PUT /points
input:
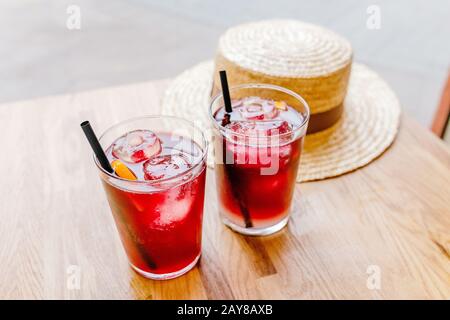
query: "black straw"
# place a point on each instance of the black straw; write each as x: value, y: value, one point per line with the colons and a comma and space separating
x: 101, y: 156
x: 96, y: 147
x: 232, y: 177
x: 225, y: 91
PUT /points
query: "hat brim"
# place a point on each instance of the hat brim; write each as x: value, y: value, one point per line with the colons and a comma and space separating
x: 366, y: 129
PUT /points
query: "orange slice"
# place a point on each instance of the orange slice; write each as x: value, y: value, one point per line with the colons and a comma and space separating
x: 122, y: 170
x: 281, y: 105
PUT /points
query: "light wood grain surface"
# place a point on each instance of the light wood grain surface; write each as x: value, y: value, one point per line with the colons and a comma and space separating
x: 392, y: 216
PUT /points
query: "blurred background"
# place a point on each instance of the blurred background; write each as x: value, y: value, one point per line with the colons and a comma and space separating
x: 125, y: 41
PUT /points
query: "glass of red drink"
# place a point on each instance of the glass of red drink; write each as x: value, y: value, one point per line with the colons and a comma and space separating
x: 257, y: 153
x: 159, y: 212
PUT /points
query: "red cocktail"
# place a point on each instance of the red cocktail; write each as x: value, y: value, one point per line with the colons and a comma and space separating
x: 158, y: 213
x: 257, y: 155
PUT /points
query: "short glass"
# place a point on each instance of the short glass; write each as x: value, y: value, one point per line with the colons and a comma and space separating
x: 256, y: 174
x: 159, y: 222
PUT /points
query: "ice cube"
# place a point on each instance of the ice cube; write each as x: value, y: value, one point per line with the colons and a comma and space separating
x: 174, y: 208
x: 166, y: 166
x: 252, y: 111
x: 254, y: 108
x: 270, y: 111
x: 241, y: 127
x: 283, y: 127
x: 137, y: 146
x: 176, y: 204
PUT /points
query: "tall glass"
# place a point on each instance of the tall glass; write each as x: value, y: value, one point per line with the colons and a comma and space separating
x: 256, y: 170
x: 159, y: 221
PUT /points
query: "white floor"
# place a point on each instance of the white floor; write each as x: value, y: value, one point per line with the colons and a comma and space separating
x: 124, y: 41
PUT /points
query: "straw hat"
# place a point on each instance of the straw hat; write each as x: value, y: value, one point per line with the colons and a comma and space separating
x: 367, y: 127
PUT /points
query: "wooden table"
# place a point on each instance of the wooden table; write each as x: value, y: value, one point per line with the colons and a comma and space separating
x: 379, y: 232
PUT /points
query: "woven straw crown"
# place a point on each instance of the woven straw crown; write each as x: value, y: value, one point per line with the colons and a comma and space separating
x: 286, y: 48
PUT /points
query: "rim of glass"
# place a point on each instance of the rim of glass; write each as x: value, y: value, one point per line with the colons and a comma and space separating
x: 262, y: 86
x: 146, y: 182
